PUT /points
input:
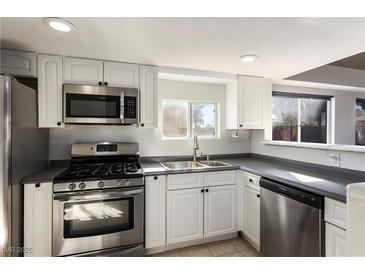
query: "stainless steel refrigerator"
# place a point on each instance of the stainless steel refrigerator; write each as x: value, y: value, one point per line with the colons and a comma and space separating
x: 23, y: 151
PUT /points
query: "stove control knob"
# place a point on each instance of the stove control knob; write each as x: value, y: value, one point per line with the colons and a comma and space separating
x: 119, y: 183
x: 82, y: 186
x: 71, y: 186
x: 101, y: 184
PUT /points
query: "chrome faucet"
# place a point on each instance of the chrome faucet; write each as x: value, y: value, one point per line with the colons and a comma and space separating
x: 196, y: 147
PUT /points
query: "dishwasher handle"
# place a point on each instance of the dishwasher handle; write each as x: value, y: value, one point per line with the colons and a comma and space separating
x: 293, y: 193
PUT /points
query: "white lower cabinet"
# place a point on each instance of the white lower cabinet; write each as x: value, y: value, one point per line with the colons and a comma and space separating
x: 155, y: 220
x: 240, y: 200
x: 219, y: 210
x: 200, y: 210
x: 38, y: 219
x: 252, y: 214
x: 335, y: 241
x: 184, y: 215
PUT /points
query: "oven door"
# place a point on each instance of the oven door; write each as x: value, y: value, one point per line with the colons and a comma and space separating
x: 91, y: 221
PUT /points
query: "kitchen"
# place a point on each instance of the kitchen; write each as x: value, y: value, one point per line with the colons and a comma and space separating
x: 108, y: 154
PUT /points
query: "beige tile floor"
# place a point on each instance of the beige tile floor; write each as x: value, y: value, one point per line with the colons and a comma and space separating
x: 237, y: 247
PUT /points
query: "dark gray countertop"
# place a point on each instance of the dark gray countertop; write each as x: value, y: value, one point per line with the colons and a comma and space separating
x: 43, y: 176
x: 322, y: 180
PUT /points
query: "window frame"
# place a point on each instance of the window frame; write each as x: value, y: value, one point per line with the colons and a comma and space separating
x: 357, y: 99
x: 190, y: 119
x: 300, y: 96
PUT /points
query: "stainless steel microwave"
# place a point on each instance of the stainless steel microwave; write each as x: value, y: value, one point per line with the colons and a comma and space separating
x: 100, y: 105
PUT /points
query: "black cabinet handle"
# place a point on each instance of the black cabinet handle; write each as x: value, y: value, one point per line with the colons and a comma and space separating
x: 106, y: 83
x: 241, y: 125
x: 250, y: 180
x: 206, y: 190
x: 58, y: 123
x: 155, y: 178
x: 142, y: 125
x: 100, y: 83
x: 202, y: 190
x: 258, y: 195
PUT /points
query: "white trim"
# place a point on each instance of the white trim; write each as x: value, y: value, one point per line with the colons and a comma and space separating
x: 316, y: 85
x: 350, y: 148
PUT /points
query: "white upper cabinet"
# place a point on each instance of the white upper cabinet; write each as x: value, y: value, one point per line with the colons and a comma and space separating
x: 83, y: 71
x: 49, y: 91
x: 22, y: 63
x: 220, y: 210
x: 118, y: 74
x: 155, y: 221
x: 148, y: 95
x: 248, y: 102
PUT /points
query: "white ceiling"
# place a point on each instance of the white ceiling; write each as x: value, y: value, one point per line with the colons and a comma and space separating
x: 286, y: 46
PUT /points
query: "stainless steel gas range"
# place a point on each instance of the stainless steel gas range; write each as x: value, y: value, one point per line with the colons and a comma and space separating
x: 98, y: 203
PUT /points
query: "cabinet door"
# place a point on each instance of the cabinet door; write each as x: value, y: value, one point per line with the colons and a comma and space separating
x: 240, y: 198
x: 184, y: 215
x: 118, y: 74
x: 83, y: 71
x: 155, y: 211
x: 252, y: 215
x: 148, y: 98
x: 335, y: 241
x: 219, y: 210
x: 251, y: 94
x: 38, y: 219
x: 49, y: 91
x: 22, y: 63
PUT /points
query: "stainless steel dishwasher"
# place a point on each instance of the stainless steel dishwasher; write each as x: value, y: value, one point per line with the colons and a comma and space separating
x: 291, y: 221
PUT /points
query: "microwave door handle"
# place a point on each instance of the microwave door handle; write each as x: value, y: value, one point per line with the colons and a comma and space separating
x: 121, y: 106
x: 76, y: 197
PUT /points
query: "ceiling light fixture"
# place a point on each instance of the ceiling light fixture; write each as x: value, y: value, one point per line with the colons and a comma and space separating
x: 59, y: 24
x: 248, y: 58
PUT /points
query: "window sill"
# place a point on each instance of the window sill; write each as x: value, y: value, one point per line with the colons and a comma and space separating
x: 351, y: 148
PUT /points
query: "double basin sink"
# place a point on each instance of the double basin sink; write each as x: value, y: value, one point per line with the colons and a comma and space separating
x: 187, y: 165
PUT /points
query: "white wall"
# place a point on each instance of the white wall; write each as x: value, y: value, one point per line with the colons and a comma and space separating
x: 150, y: 140
x: 344, y: 132
x: 351, y: 160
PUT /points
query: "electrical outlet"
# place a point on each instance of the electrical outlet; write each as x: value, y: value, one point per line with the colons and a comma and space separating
x: 336, y: 160
x: 235, y: 134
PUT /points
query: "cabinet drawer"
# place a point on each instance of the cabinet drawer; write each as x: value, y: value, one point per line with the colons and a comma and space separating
x: 220, y: 178
x: 187, y: 180
x: 253, y: 181
x: 335, y: 213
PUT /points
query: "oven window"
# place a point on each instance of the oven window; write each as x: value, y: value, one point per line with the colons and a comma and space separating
x: 82, y: 219
x: 93, y: 106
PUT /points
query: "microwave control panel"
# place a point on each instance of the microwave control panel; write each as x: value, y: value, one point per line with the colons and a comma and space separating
x: 130, y: 107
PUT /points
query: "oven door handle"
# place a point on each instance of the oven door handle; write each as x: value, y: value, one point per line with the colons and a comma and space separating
x: 76, y: 197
